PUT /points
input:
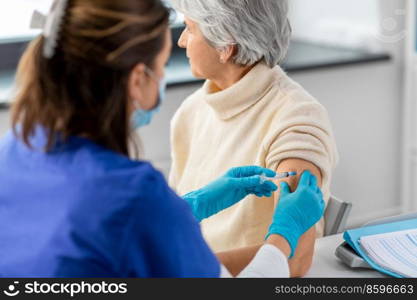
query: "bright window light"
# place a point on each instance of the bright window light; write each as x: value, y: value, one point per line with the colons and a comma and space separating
x: 15, y: 17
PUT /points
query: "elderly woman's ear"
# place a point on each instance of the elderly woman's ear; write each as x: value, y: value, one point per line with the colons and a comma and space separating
x: 227, y: 53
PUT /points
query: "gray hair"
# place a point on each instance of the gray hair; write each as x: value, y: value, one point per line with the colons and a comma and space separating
x: 259, y: 28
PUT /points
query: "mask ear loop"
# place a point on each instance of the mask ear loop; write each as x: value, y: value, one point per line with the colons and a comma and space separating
x: 50, y: 25
x: 152, y: 74
x: 158, y: 81
x: 136, y: 104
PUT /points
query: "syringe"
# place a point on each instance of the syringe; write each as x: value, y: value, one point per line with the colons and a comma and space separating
x: 278, y: 176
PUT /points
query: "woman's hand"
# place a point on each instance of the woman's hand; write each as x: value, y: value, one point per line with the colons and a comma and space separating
x: 297, y: 212
x: 229, y: 189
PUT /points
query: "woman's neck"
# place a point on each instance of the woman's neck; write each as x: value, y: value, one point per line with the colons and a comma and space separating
x: 228, y: 76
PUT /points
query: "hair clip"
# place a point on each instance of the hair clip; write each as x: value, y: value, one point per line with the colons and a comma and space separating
x: 51, y: 25
x: 38, y: 20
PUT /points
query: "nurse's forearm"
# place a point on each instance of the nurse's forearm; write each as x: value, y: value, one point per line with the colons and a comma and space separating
x: 236, y: 260
x: 281, y: 243
x: 303, y: 257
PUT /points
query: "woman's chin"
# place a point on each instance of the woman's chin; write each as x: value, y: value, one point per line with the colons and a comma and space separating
x: 197, y: 74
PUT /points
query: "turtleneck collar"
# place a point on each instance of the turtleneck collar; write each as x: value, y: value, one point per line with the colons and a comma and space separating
x: 242, y: 95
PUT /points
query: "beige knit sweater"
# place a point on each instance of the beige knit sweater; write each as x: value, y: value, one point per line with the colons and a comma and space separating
x: 261, y: 120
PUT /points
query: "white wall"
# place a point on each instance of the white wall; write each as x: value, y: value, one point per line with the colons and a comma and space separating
x: 305, y: 14
x: 355, y: 23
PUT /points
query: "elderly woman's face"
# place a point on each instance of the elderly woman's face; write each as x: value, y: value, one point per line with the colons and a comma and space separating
x: 204, y: 59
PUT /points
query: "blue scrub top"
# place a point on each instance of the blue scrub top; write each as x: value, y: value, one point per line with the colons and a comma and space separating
x: 84, y: 211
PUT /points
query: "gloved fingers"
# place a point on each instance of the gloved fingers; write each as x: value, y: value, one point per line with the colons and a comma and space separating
x: 285, y: 189
x: 255, y: 183
x: 239, y: 172
x: 248, y: 183
x: 249, y: 171
x: 322, y: 210
x: 322, y: 202
x: 313, y: 181
x: 320, y: 193
x: 268, y: 172
x: 265, y: 191
x: 262, y: 194
x: 305, y: 179
x: 320, y: 196
x: 269, y: 185
x: 323, y: 206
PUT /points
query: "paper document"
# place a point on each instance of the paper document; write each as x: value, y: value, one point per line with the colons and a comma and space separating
x: 395, y: 251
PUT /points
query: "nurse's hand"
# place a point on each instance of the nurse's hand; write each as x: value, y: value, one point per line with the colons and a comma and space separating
x: 297, y: 212
x: 229, y: 189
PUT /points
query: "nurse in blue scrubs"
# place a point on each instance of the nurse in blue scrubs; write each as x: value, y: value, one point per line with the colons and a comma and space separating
x: 72, y: 201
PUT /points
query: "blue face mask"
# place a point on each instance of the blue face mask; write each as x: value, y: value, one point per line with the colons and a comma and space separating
x: 141, y: 117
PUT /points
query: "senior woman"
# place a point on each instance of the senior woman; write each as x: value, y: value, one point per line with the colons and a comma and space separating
x: 247, y: 112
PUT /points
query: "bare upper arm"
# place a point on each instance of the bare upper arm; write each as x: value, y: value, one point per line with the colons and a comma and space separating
x: 299, y: 166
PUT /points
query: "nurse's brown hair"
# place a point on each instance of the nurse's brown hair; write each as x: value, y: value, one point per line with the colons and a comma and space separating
x: 82, y: 89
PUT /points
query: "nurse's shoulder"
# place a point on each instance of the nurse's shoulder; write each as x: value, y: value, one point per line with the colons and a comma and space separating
x: 118, y: 173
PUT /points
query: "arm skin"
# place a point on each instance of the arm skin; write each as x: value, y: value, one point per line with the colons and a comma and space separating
x: 281, y: 243
x: 236, y: 260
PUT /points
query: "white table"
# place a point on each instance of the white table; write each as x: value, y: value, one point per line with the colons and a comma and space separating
x: 326, y: 264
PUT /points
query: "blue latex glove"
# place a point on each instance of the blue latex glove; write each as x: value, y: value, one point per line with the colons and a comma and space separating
x: 229, y: 189
x: 297, y: 212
